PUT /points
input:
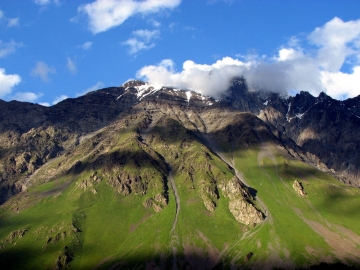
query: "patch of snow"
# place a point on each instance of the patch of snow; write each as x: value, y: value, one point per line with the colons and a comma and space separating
x: 287, y: 114
x: 146, y: 89
x: 188, y: 95
x: 299, y: 115
x: 266, y: 103
x: 210, y: 103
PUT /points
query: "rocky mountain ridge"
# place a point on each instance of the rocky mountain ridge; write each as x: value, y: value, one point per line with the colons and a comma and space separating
x: 319, y: 130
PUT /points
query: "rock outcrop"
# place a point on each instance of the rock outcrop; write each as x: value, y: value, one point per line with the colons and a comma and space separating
x: 240, y: 202
x: 299, y: 188
x: 245, y: 212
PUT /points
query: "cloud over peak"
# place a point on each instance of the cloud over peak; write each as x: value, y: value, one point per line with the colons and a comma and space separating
x: 315, y: 67
x: 105, y: 14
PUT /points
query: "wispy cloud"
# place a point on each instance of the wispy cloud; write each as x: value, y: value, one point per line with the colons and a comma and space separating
x: 42, y: 70
x: 13, y: 22
x: 7, y: 48
x: 10, y: 22
x: 71, y: 65
x: 26, y: 96
x: 105, y: 14
x: 59, y: 98
x: 96, y: 86
x: 87, y: 45
x: 215, y: 1
x: 315, y: 67
x: 46, y: 2
x: 8, y: 82
x: 154, y: 22
x: 141, y: 40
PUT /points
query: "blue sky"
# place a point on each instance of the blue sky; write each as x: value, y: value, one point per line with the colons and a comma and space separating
x: 53, y: 49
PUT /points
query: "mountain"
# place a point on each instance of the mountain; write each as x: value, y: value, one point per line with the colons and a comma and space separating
x: 140, y: 176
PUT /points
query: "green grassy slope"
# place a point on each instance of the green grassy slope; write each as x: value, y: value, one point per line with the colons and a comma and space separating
x: 97, y: 207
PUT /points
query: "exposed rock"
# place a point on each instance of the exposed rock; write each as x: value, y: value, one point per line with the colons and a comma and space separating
x: 148, y: 203
x: 248, y: 256
x: 158, y: 202
x: 245, y: 212
x: 234, y: 188
x: 161, y: 198
x: 63, y: 260
x: 239, y: 205
x: 210, y: 205
x: 299, y: 188
x: 89, y: 183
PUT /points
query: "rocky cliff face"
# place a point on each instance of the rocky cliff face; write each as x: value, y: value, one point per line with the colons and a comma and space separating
x: 326, y: 130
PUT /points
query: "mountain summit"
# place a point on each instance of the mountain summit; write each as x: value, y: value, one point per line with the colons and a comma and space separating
x: 147, y: 176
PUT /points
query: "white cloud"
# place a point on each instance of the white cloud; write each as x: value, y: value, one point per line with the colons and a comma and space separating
x: 342, y: 85
x: 336, y: 40
x: 105, y: 14
x: 7, y: 48
x: 71, y: 65
x: 7, y: 82
x: 289, y: 54
x: 25, y: 96
x: 42, y: 70
x: 206, y: 79
x: 59, y: 98
x: 96, y: 86
x: 87, y: 45
x: 314, y: 68
x: 142, y: 40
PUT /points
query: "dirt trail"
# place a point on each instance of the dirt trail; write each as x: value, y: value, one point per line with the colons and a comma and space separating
x: 174, y: 237
x: 177, y: 200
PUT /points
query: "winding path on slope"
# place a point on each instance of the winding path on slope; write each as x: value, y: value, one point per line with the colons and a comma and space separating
x: 177, y: 200
x: 174, y: 236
